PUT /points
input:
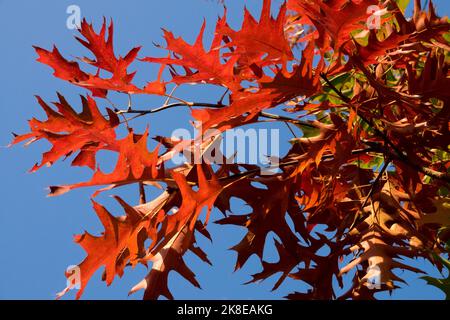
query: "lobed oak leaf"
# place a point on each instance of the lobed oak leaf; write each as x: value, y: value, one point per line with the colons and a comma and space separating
x: 119, y: 238
x: 333, y: 138
x: 135, y: 164
x: 176, y: 236
x: 334, y: 20
x: 287, y: 261
x: 260, y: 42
x: 380, y: 257
x: 441, y: 214
x: 433, y: 80
x: 105, y: 59
x: 376, y: 47
x: 318, y: 270
x: 269, y: 207
x: 103, y: 50
x: 424, y: 25
x: 169, y: 258
x: 193, y: 201
x: 208, y: 66
x: 245, y: 105
x: 70, y: 132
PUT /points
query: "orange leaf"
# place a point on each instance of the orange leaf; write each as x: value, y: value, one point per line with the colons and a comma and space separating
x: 69, y: 132
x: 272, y: 92
x: 262, y: 42
x: 105, y: 59
x: 208, y: 66
x: 119, y: 238
x: 135, y: 164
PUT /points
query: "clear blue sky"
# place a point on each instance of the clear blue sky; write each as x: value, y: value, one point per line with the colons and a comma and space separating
x: 35, y: 231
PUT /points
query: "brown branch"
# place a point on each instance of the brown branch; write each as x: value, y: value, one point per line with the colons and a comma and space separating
x: 142, y: 197
x: 290, y: 163
x: 369, y: 195
x: 212, y: 105
x: 287, y: 119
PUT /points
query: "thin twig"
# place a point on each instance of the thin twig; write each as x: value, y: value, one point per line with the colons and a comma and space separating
x: 290, y: 163
x: 290, y: 129
x: 287, y: 119
x: 377, y: 179
x: 141, y: 112
x: 369, y: 195
x: 142, y: 196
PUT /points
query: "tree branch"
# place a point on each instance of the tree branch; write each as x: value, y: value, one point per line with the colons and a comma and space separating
x: 369, y: 195
x: 292, y: 162
x: 142, y: 197
x: 212, y: 105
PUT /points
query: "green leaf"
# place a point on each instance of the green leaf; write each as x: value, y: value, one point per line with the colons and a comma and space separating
x: 310, y: 132
x: 441, y: 284
x: 402, y: 4
x: 374, y: 163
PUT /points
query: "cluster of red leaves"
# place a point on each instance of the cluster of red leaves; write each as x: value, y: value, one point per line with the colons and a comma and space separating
x: 373, y: 174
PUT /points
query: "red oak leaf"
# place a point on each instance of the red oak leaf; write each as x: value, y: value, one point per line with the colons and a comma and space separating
x: 260, y: 42
x: 272, y: 92
x: 335, y: 19
x: 70, y: 132
x: 105, y: 59
x: 120, y: 236
x: 135, y: 164
x: 176, y: 235
x: 207, y: 65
